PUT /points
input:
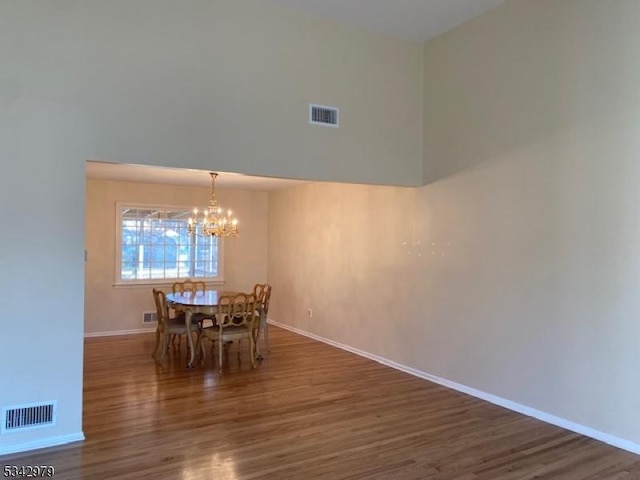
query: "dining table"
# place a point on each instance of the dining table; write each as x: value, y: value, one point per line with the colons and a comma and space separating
x: 201, y: 302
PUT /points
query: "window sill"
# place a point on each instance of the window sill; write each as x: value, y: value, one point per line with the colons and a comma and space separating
x: 165, y: 283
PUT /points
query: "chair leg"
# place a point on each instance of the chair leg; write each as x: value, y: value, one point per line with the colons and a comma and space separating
x: 220, y: 349
x: 157, y: 347
x: 265, y: 327
x: 252, y: 351
x: 165, y: 346
x: 256, y: 341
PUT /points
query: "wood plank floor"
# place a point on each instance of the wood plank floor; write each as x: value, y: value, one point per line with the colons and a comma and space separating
x: 309, y: 411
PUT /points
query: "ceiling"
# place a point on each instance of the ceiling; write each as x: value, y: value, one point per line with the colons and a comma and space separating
x: 182, y: 176
x: 415, y: 20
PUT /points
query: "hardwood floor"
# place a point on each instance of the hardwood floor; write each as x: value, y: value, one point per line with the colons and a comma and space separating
x: 309, y: 411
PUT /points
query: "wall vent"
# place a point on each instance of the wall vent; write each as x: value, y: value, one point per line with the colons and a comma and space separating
x: 323, y: 115
x: 25, y: 417
x: 149, y: 317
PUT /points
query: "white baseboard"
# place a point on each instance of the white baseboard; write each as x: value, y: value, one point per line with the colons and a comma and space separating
x: 44, y: 443
x: 119, y: 332
x: 516, y: 407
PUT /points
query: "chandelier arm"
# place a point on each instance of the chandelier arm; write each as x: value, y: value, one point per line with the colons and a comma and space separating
x: 216, y: 221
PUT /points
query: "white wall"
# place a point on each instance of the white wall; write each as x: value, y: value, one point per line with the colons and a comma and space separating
x: 109, y: 309
x: 515, y: 271
x: 41, y: 265
x: 530, y: 143
x: 532, y: 119
x: 217, y: 85
x: 225, y: 85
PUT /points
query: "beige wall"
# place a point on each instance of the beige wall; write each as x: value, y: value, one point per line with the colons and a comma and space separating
x: 112, y: 309
x: 515, y: 270
x: 344, y: 251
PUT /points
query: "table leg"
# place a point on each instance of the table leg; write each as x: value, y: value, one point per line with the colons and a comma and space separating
x: 192, y: 349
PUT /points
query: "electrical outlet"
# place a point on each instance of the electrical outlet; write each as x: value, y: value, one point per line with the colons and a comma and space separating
x: 310, y: 313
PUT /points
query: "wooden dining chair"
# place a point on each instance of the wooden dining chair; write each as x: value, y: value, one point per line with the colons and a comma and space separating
x: 193, y: 286
x: 262, y: 291
x: 236, y: 320
x: 168, y: 327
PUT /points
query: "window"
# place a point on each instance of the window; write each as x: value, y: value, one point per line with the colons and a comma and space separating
x: 154, y: 245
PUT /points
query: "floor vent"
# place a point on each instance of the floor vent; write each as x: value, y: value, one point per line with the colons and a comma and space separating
x: 149, y: 317
x: 24, y: 417
x: 323, y: 115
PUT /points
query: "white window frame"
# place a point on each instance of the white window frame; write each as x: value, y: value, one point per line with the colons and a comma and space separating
x: 120, y: 206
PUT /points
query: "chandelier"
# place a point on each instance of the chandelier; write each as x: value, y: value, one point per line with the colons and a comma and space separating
x: 215, y: 221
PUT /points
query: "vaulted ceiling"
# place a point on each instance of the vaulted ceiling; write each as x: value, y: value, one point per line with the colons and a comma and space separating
x: 415, y: 20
